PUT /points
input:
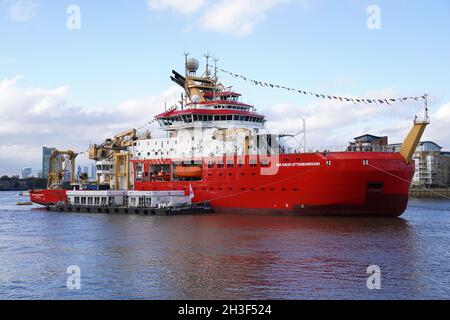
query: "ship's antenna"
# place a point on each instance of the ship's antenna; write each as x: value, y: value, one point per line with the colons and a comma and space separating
x: 304, y: 135
x: 426, y: 118
x: 215, y: 78
x: 186, y: 55
x: 207, y: 56
x: 215, y: 68
x: 302, y: 142
x: 426, y: 107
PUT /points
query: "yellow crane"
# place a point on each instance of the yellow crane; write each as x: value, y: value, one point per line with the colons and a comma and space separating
x: 59, y: 162
x: 412, y: 140
x: 115, y: 150
x: 118, y: 143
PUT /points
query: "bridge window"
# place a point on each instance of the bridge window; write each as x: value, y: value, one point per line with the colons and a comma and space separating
x: 189, y: 118
x: 139, y: 170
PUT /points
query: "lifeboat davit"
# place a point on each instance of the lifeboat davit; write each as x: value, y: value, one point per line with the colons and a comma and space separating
x: 188, y: 172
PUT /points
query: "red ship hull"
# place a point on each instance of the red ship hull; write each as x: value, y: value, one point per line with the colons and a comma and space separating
x: 48, y: 197
x: 333, y: 184
x: 336, y: 184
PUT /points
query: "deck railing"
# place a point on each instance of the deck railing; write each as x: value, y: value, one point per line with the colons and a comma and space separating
x: 327, y: 149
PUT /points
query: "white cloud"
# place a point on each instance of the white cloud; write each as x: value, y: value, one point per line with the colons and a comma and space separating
x: 235, y: 17
x: 32, y: 118
x: 177, y: 6
x: 438, y: 130
x: 22, y: 10
x: 332, y: 124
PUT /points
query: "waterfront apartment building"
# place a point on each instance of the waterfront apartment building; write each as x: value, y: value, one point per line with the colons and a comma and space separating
x: 446, y: 160
x: 432, y: 165
x: 46, y: 154
x: 368, y: 142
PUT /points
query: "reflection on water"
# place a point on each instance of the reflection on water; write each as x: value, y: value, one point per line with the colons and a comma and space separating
x: 223, y: 256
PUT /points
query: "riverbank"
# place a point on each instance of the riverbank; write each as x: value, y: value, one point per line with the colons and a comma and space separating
x: 430, y: 193
x: 16, y: 184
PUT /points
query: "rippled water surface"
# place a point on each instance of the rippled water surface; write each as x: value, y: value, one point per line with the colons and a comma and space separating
x: 223, y: 256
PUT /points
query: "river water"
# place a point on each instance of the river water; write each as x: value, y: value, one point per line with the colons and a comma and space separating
x: 223, y: 256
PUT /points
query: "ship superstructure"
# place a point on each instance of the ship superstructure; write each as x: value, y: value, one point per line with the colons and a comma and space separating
x: 211, y: 121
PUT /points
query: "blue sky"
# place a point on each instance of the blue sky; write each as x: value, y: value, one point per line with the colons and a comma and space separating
x: 125, y: 50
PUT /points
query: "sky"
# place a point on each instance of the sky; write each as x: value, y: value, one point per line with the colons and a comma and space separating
x: 76, y: 72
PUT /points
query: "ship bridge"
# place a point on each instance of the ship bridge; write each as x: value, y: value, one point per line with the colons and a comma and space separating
x: 212, y: 116
x: 210, y: 120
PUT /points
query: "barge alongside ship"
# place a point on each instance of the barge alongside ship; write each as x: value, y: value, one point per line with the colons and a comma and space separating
x: 218, y: 150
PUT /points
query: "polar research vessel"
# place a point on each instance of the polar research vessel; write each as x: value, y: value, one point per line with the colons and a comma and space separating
x: 216, y: 149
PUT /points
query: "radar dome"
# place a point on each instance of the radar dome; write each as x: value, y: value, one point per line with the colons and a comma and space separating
x: 195, y: 99
x: 192, y: 65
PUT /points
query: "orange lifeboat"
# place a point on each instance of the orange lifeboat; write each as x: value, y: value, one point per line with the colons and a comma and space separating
x: 163, y: 176
x: 188, y: 172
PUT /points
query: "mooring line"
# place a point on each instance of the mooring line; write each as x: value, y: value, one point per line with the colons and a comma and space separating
x: 423, y: 188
